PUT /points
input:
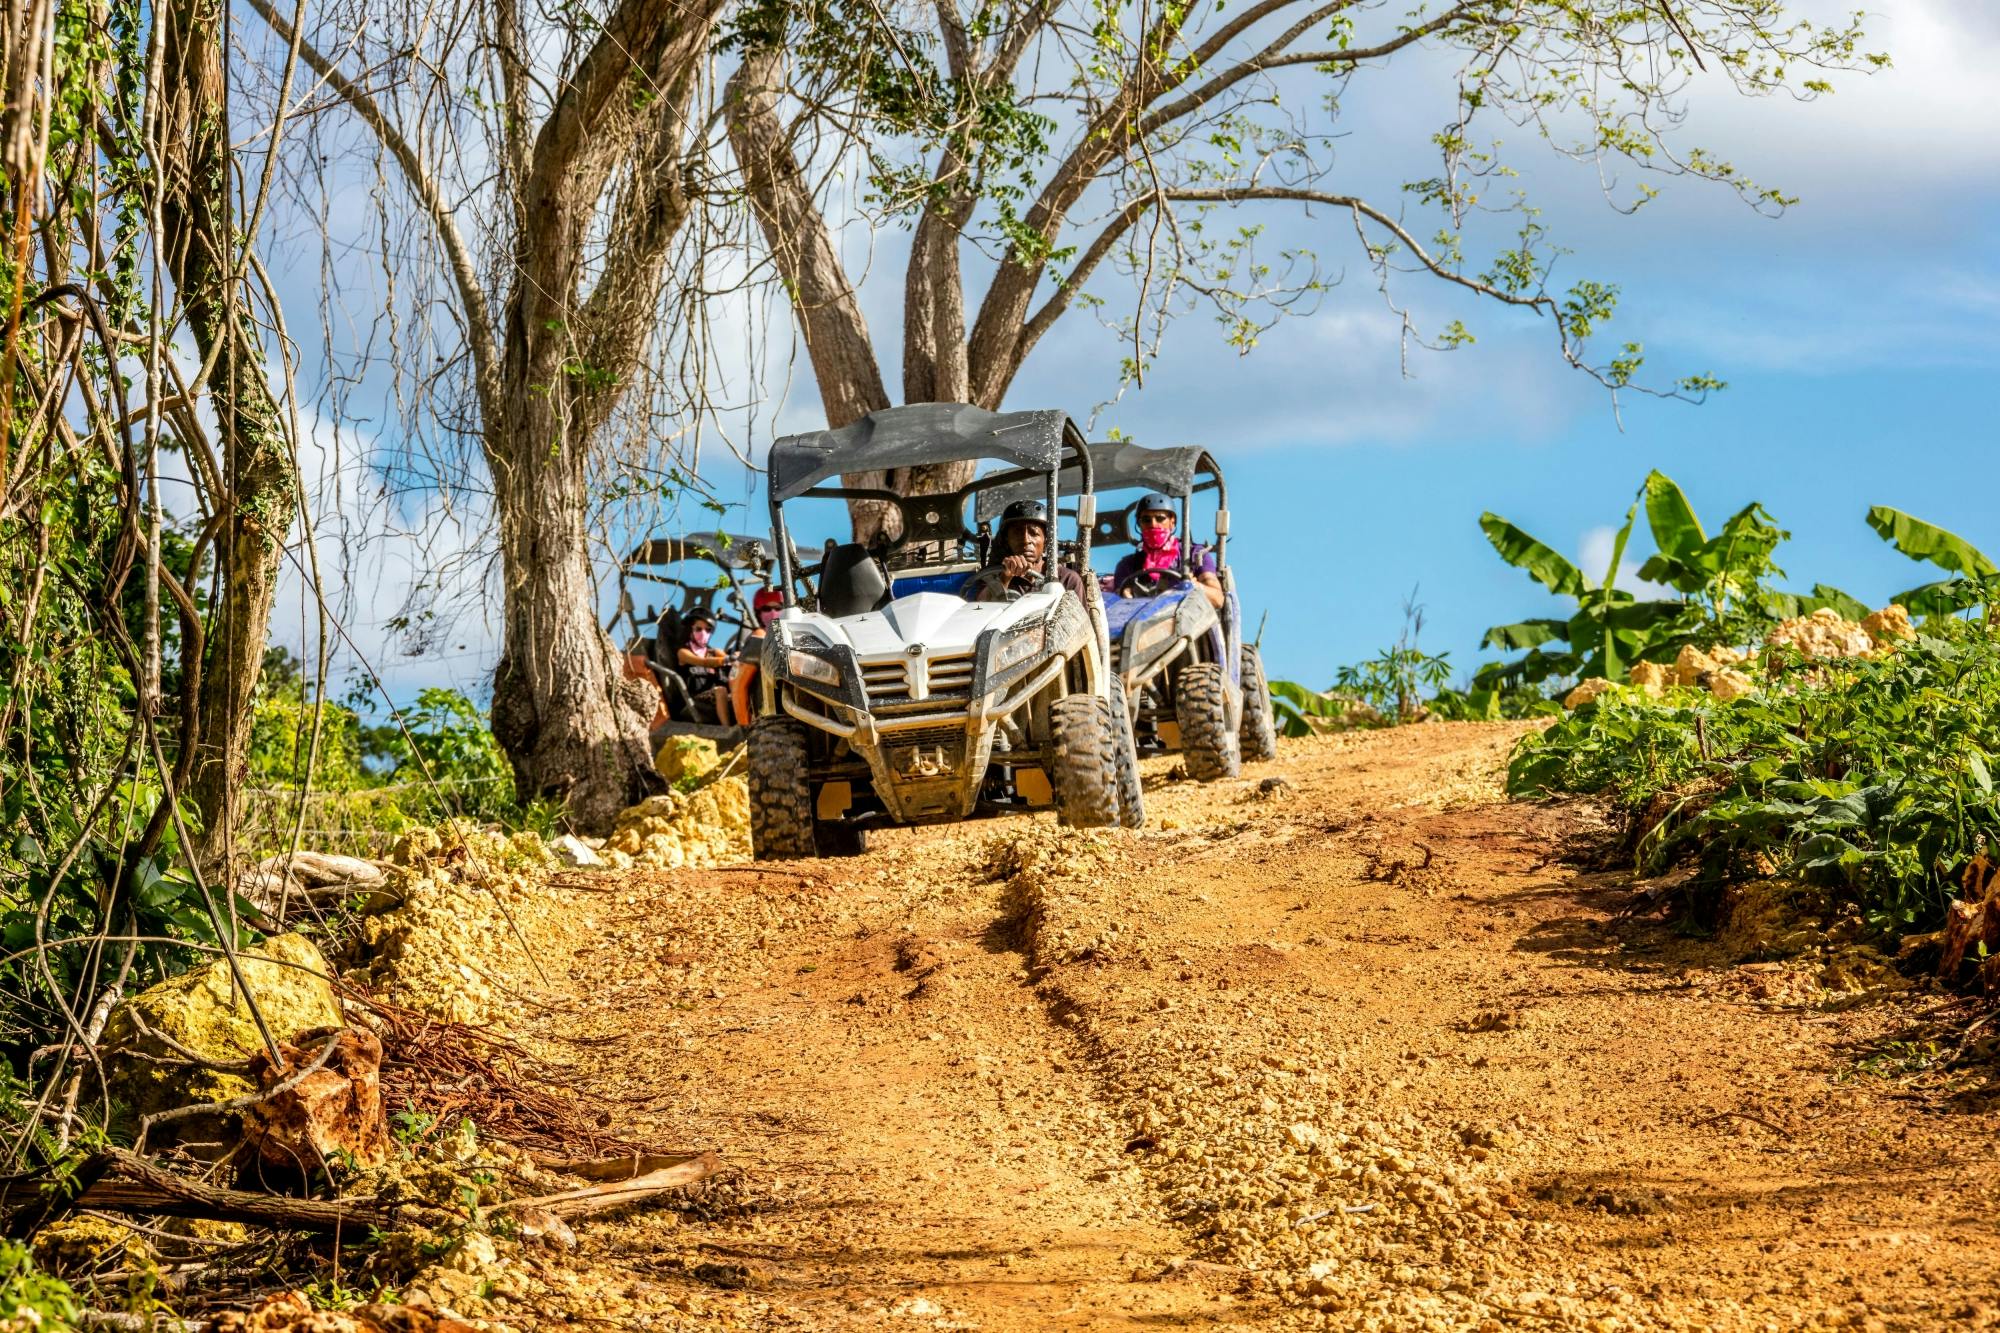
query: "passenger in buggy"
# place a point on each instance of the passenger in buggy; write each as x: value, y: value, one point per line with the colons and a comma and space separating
x: 1155, y: 566
x: 706, y: 670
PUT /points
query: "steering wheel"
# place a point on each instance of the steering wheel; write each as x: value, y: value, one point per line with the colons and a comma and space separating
x: 1150, y: 582
x: 997, y: 580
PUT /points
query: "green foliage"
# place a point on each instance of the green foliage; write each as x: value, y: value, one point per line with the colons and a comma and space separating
x: 1299, y: 711
x: 30, y: 1298
x: 434, y: 760
x: 1871, y: 776
x: 1724, y: 582
x: 1977, y: 581
x: 1394, y: 681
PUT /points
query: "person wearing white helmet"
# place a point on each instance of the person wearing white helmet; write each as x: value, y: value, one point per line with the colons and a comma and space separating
x: 1145, y: 572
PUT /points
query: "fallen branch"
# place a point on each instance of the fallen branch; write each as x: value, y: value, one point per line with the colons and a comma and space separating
x: 618, y: 1193
x: 124, y: 1182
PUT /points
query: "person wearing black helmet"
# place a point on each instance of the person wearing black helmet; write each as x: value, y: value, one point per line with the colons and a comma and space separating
x: 1146, y: 571
x: 1019, y: 563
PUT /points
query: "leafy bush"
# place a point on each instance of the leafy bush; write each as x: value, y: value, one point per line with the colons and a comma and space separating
x: 371, y: 781
x: 1870, y: 776
x: 30, y: 1298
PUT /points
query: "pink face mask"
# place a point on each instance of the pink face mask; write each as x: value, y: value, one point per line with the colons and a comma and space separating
x: 1157, y: 537
x: 698, y: 639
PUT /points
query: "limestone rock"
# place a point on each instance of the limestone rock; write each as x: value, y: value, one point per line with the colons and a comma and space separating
x: 1587, y: 691
x: 571, y: 850
x: 1652, y: 678
x: 707, y: 827
x: 1729, y: 683
x: 1824, y: 633
x: 203, y: 1011
x: 291, y: 1312
x: 686, y: 757
x: 1890, y: 624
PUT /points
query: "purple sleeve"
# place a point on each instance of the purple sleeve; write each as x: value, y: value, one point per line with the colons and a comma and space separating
x: 1204, y: 560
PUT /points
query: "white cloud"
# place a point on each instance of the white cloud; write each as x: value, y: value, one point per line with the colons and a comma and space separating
x: 1593, y: 557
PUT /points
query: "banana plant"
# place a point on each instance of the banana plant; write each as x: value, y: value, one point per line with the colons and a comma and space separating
x: 1726, y: 575
x: 1609, y: 630
x: 1975, y: 579
x: 1722, y: 581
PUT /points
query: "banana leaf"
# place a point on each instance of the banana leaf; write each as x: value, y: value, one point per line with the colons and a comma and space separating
x: 1543, y: 564
x: 1676, y: 531
x: 1525, y: 634
x: 1926, y: 541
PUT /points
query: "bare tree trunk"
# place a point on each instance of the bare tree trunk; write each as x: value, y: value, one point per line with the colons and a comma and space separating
x: 259, y: 501
x: 556, y: 706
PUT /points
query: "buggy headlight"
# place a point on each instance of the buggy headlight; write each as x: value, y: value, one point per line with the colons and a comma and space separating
x: 1018, y: 648
x: 811, y: 666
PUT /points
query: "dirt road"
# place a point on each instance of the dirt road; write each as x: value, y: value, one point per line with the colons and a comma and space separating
x: 1343, y: 1044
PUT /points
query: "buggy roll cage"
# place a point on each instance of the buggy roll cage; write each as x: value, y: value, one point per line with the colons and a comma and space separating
x: 732, y: 553
x: 1044, y: 446
x: 1180, y: 472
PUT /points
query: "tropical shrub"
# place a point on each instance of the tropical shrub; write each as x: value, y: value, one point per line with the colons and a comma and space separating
x: 1869, y: 776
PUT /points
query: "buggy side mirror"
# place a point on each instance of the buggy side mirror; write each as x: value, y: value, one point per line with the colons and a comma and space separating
x: 1222, y: 522
x: 1086, y: 512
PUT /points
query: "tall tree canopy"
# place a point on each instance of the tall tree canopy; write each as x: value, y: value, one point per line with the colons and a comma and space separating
x: 1039, y: 144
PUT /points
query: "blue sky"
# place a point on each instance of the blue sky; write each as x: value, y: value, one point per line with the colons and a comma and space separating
x: 1860, y: 335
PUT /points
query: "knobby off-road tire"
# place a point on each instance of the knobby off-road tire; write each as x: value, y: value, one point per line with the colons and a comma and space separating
x: 1086, y: 776
x: 781, y: 808
x: 1201, y: 706
x: 1259, y: 733
x: 1131, y: 794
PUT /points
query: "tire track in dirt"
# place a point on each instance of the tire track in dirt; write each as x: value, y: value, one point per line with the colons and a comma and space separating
x: 1379, y: 1064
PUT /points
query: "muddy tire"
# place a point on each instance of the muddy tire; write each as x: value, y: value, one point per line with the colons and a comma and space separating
x: 1259, y: 732
x: 1086, y: 762
x: 1201, y: 706
x: 781, y: 807
x: 1131, y: 794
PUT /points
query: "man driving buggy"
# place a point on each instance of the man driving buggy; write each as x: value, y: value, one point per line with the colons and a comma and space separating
x: 1155, y: 566
x: 1019, y: 553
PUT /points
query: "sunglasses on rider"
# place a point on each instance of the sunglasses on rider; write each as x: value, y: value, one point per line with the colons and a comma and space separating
x: 1154, y: 518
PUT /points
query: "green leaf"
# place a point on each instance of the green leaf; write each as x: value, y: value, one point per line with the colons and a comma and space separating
x: 1520, y: 550
x: 1980, y: 777
x: 1525, y: 634
x: 1613, y: 668
x: 1946, y: 597
x: 1850, y: 608
x: 1926, y: 541
x: 1676, y: 531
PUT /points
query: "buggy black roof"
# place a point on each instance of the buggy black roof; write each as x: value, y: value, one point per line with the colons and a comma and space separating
x: 729, y: 549
x: 1118, y: 465
x: 916, y: 435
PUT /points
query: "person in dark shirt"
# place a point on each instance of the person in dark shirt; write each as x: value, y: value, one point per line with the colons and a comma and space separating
x: 1021, y: 551
x: 1160, y: 552
x: 706, y: 669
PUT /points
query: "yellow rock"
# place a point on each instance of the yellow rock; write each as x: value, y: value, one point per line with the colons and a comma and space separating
x: 203, y: 1011
x: 1586, y: 691
x: 1824, y: 633
x: 1692, y: 665
x: 1652, y: 678
x: 1729, y: 683
x: 686, y: 757
x: 1888, y: 625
